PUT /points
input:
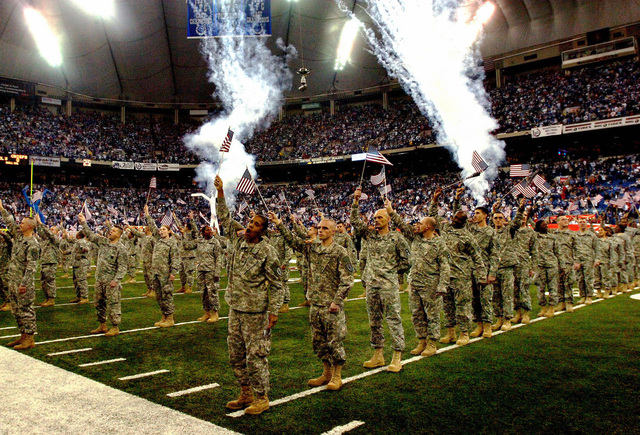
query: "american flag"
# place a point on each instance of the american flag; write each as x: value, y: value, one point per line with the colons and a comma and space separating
x: 242, y: 207
x: 519, y: 171
x: 153, y: 184
x: 378, y: 179
x: 167, y: 219
x: 310, y: 193
x: 85, y: 211
x: 527, y: 190
x: 596, y: 200
x: 282, y: 197
x: 226, y: 143
x: 180, y: 201
x: 246, y: 184
x: 363, y: 196
x: 112, y: 210
x: 478, y: 163
x: 573, y: 207
x: 385, y: 189
x: 373, y: 155
x: 541, y: 184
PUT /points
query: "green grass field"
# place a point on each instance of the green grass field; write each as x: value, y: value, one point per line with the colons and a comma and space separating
x: 574, y: 373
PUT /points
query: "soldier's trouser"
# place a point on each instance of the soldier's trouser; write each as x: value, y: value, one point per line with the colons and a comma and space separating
x: 615, y: 278
x: 148, y: 277
x: 584, y: 276
x: 107, y: 302
x: 328, y: 331
x: 426, y: 306
x: 482, y: 302
x: 547, y: 279
x: 65, y: 263
x: 48, y: 279
x: 187, y: 269
x: 209, y: 288
x: 457, y: 304
x: 80, y: 281
x: 133, y: 265
x: 285, y: 284
x: 521, y: 292
x: 602, y: 277
x: 565, y: 279
x: 503, y: 293
x: 22, y: 307
x: 4, y: 285
x: 249, y: 349
x: 163, y: 287
x: 385, y: 304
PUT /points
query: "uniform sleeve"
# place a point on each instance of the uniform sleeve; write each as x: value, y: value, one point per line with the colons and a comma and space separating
x: 10, y: 222
x: 273, y: 273
x: 445, y: 268
x: 494, y: 251
x: 345, y: 278
x: 406, y: 229
x: 474, y: 252
x: 292, y: 240
x: 174, y: 259
x: 230, y: 226
x: 33, y: 255
x: 91, y: 236
x: 217, y: 254
x: 404, y: 255
x: 152, y: 226
x: 300, y: 230
x: 356, y: 220
x: 139, y: 234
x: 55, y: 241
x: 123, y: 263
x: 534, y: 250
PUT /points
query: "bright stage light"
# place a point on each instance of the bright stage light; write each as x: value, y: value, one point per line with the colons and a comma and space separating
x: 485, y: 12
x: 349, y: 32
x: 45, y: 38
x: 101, y: 8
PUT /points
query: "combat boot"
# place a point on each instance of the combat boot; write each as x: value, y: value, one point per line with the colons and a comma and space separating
x: 450, y: 337
x: 525, y: 317
x: 324, y: 378
x: 16, y: 342
x: 214, y: 317
x: 182, y: 290
x: 478, y: 331
x: 205, y: 317
x: 464, y: 339
x: 305, y: 304
x: 497, y: 325
x: 152, y: 294
x: 569, y: 307
x: 396, y: 362
x: 26, y: 343
x: 506, y: 325
x: 100, y: 329
x: 49, y: 302
x: 336, y: 379
x: 364, y: 294
x: 83, y: 301
x: 588, y: 301
x: 145, y: 294
x: 582, y: 301
x: 260, y: 405
x: 550, y: 312
x: 6, y: 306
x: 74, y: 301
x: 487, y: 332
x: 284, y: 308
x: 431, y: 348
x: 559, y: 307
x: 112, y: 332
x: 245, y: 399
x: 168, y: 322
x: 188, y: 290
x: 422, y: 344
x: 377, y: 360
x: 160, y: 321
x: 66, y: 275
x: 543, y: 310
x: 517, y: 318
x: 131, y: 280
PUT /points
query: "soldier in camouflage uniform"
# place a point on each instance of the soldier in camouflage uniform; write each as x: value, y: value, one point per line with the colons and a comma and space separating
x: 428, y: 279
x: 165, y: 265
x: 547, y: 269
x: 111, y: 266
x: 5, y: 256
x: 310, y: 235
x: 617, y: 259
x: 527, y: 241
x: 627, y: 270
x: 129, y: 242
x: 566, y: 242
x: 66, y: 260
x: 254, y: 294
x: 362, y: 265
x: 25, y: 253
x: 209, y: 259
x: 632, y: 229
x: 603, y: 264
x: 388, y: 254
x: 49, y: 258
x: 343, y: 238
x: 284, y: 254
x: 330, y: 279
x: 80, y: 251
x: 187, y: 249
x: 146, y: 242
x: 585, y: 253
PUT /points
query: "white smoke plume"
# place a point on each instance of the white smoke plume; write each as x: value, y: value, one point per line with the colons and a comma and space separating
x: 250, y: 81
x: 431, y: 47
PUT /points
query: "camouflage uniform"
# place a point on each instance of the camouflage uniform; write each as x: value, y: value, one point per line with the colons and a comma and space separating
x: 602, y: 272
x: 284, y: 255
x: 628, y: 263
x: 503, y: 289
x: 428, y: 279
x: 585, y: 255
x: 66, y: 259
x: 146, y: 252
x: 222, y: 240
x: 165, y: 261
x: 635, y: 241
x: 387, y: 256
x: 566, y: 242
x: 330, y: 279
x: 301, y: 261
x: 81, y: 266
x: 187, y: 249
x: 132, y: 250
x: 344, y: 240
x: 617, y: 256
x: 209, y: 259
x: 482, y: 303
x: 362, y: 261
x: 5, y: 256
x: 254, y: 291
x: 25, y: 254
x: 112, y: 264
x: 547, y: 270
x: 527, y: 250
x: 49, y: 258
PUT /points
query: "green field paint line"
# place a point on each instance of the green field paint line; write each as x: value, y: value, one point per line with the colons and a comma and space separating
x: 66, y: 352
x: 193, y: 390
x: 143, y: 375
x: 99, y: 363
x: 345, y: 428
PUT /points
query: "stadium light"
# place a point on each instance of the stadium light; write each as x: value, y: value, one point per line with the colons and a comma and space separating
x: 101, y: 8
x: 46, y: 39
x: 485, y: 12
x: 349, y: 32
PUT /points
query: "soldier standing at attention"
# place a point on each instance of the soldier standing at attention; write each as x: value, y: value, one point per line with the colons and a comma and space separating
x: 527, y: 241
x: 330, y: 279
x: 254, y: 294
x: 21, y: 276
x: 147, y: 243
x: 81, y: 265
x: 49, y: 257
x: 187, y: 249
x: 209, y: 257
x: 387, y: 255
x: 546, y: 269
x: 566, y: 242
x: 586, y: 246
x: 165, y: 264
x: 111, y: 266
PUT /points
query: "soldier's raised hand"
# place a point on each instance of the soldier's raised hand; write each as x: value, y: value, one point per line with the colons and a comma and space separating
x: 388, y: 206
x: 459, y: 191
x: 146, y: 210
x: 437, y: 193
x: 219, y: 186
x: 1, y: 207
x: 274, y: 218
x: 357, y: 194
x: 81, y: 218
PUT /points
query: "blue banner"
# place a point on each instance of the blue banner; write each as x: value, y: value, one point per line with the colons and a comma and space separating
x: 209, y: 19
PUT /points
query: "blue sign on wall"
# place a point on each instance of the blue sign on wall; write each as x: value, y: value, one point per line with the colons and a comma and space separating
x: 216, y: 18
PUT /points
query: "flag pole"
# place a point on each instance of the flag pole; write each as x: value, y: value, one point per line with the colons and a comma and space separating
x: 362, y: 176
x: 259, y: 193
x: 31, y: 192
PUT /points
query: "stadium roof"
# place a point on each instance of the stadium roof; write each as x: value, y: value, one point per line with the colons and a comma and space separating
x: 143, y: 54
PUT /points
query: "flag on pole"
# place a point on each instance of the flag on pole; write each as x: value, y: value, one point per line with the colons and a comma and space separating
x: 242, y: 207
x: 282, y: 197
x: 37, y: 196
x: 310, y: 193
x: 519, y: 171
x: 226, y: 143
x: 524, y: 189
x: 385, y: 189
x: 378, y: 179
x: 478, y: 163
x: 112, y: 210
x: 167, y: 219
x: 363, y: 196
x: 153, y: 184
x: 246, y: 184
x: 180, y: 201
x: 573, y: 207
x: 541, y: 184
x: 596, y: 200
x: 373, y: 155
x: 85, y: 211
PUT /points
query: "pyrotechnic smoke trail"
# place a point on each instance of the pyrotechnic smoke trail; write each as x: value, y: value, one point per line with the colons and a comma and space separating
x: 250, y: 81
x: 431, y: 47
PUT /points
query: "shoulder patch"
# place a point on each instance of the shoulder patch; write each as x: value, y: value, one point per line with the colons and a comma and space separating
x: 347, y: 264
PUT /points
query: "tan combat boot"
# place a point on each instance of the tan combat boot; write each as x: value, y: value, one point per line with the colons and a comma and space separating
x: 74, y: 301
x: 364, y: 294
x: 588, y: 301
x: 506, y: 325
x: 498, y: 324
x: 16, y: 342
x: 431, y: 348
x: 487, y: 332
x: 543, y: 310
x: 214, y: 317
x: 245, y: 399
x: 581, y: 301
x: 188, y: 290
x: 182, y: 290
x: 377, y: 360
x: 324, y: 378
x: 336, y: 379
x: 100, y: 329
x: 284, y: 308
x: 305, y: 304
x: 464, y: 339
x: 517, y: 318
x: 569, y: 307
x: 422, y: 344
x: 559, y: 307
x: 551, y: 311
x: 450, y: 337
x: 112, y: 332
x: 206, y: 316
x: 168, y: 322
x: 83, y: 301
x: 152, y: 294
x: 260, y: 405
x: 26, y: 343
x: 396, y: 362
x: 6, y: 306
x: 49, y: 302
x: 159, y: 322
x: 525, y: 317
x: 478, y: 331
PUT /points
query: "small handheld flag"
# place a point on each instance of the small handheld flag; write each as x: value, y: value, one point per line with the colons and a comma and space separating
x: 478, y: 163
x: 374, y: 156
x: 519, y: 171
x: 246, y: 184
x: 541, y: 184
x: 226, y: 143
x: 379, y: 178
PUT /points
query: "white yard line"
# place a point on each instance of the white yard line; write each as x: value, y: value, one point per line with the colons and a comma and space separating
x: 8, y: 327
x: 193, y: 390
x: 10, y: 336
x: 98, y: 363
x: 143, y: 375
x: 66, y: 352
x: 345, y: 428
